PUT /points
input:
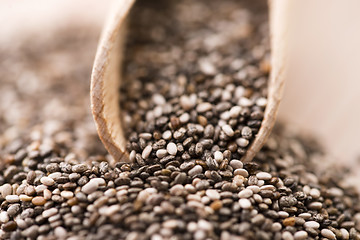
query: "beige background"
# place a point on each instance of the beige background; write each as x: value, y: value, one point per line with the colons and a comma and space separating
x: 322, y: 94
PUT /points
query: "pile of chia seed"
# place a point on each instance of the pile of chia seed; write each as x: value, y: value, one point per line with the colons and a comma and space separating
x: 195, y: 79
x: 46, y: 193
x: 187, y: 180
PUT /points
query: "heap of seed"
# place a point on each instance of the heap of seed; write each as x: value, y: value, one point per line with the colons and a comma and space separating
x: 46, y: 193
x: 195, y: 79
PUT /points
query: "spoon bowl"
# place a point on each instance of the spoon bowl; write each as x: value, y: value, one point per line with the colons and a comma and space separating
x: 106, y: 79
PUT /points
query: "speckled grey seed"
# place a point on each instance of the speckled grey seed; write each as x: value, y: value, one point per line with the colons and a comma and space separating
x: 195, y: 170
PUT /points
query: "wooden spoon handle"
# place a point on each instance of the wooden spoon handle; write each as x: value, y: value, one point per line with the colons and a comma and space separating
x: 278, y: 10
x: 105, y: 82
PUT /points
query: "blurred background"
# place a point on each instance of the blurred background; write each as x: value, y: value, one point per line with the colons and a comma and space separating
x: 322, y: 94
x: 47, y: 49
x: 46, y: 55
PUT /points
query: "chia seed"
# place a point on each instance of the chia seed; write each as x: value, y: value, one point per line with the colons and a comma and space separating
x: 57, y: 182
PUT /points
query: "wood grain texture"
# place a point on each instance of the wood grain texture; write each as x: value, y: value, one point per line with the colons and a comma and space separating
x: 106, y: 79
x: 278, y: 10
x: 105, y: 82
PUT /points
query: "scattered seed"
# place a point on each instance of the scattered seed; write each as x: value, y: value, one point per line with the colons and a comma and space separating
x: 47, y: 181
x: 12, y: 198
x: 246, y: 193
x: 213, y: 194
x: 228, y: 130
x: 245, y: 203
x: 218, y: 156
x: 263, y: 176
x: 146, y: 152
x: 38, y: 201
x: 171, y: 148
x: 311, y: 224
x: 299, y: 235
x: 328, y: 234
x: 204, y: 107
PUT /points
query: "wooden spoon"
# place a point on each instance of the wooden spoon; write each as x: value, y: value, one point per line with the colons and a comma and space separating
x: 278, y: 20
x: 106, y: 79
